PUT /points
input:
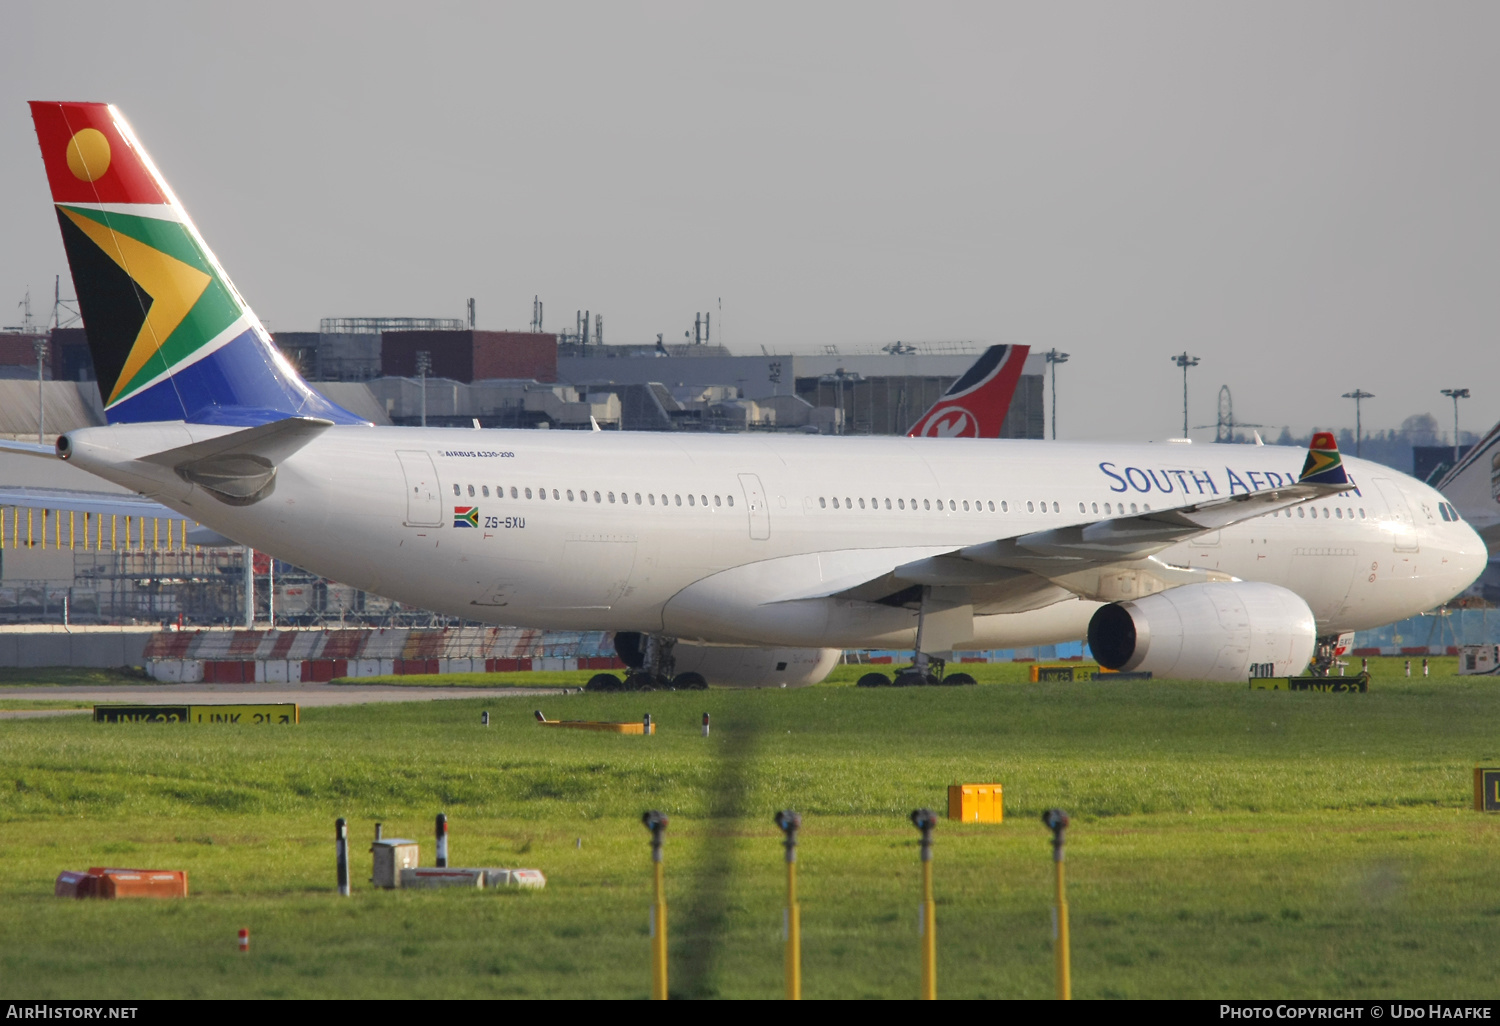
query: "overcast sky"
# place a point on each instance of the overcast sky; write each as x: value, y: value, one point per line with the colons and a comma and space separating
x: 1301, y: 194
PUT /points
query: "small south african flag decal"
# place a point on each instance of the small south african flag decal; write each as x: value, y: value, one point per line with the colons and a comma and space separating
x: 465, y: 516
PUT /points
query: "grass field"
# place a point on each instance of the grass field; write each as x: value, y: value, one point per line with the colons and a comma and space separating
x: 71, y: 676
x: 1226, y: 843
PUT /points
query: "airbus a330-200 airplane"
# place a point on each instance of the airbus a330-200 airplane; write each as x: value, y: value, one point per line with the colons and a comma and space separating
x: 745, y: 560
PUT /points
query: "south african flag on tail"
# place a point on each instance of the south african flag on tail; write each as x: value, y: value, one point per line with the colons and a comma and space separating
x: 1324, y: 464
x: 170, y: 336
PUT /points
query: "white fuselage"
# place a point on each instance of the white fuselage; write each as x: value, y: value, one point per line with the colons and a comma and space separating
x: 722, y: 538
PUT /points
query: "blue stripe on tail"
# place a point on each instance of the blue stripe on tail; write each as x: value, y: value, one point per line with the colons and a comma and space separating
x: 239, y: 384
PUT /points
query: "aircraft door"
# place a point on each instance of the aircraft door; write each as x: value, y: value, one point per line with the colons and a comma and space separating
x: 424, y: 508
x: 760, y: 510
x: 1405, y: 528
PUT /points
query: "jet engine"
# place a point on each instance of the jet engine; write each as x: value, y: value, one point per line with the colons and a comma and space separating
x: 735, y: 666
x: 1218, y: 631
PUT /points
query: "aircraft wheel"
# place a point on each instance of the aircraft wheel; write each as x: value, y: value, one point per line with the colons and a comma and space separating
x: 639, y: 682
x: 690, y: 681
x: 958, y: 680
x: 603, y: 682
x: 873, y: 680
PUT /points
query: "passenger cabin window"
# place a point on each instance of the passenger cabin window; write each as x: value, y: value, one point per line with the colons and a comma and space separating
x: 729, y: 499
x: 484, y: 490
x: 513, y: 494
x: 528, y: 493
x: 1030, y: 507
x: 637, y: 498
x: 456, y: 491
x: 822, y: 502
x: 1004, y: 506
x: 471, y: 491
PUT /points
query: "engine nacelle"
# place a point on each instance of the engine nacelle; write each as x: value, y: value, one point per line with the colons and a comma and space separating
x: 733, y: 666
x: 1227, y: 632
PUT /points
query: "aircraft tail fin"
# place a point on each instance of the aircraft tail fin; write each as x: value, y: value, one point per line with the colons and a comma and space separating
x: 1324, y: 465
x: 976, y: 404
x: 171, y: 337
x: 1473, y: 487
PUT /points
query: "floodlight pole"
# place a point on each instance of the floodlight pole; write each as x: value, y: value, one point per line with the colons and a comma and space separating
x: 40, y: 345
x: 1357, y: 395
x: 838, y: 378
x: 1456, y: 394
x: 424, y: 367
x: 1053, y: 359
x: 1184, y: 361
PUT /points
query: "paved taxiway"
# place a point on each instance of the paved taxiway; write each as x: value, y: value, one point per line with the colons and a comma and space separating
x: 211, y: 694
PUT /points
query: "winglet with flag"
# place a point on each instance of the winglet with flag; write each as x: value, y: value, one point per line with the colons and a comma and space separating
x: 1324, y: 466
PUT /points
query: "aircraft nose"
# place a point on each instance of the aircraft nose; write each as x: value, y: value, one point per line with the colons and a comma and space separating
x: 1466, y: 554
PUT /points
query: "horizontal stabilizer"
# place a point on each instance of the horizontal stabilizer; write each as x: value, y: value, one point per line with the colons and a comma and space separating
x: 77, y: 501
x: 28, y: 449
x: 240, y: 468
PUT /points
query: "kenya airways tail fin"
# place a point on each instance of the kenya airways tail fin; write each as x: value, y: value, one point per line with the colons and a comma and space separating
x: 171, y: 337
x: 975, y: 405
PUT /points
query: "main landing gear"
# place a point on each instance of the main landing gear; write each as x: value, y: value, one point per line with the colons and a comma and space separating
x: 925, y: 670
x: 651, y: 667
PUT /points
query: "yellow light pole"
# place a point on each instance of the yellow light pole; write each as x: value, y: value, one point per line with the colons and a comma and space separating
x: 1057, y: 821
x: 790, y: 823
x: 924, y: 820
x: 657, y: 823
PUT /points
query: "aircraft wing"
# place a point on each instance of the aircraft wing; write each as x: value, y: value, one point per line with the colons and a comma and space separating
x: 1095, y: 560
x: 107, y: 503
x: 27, y: 448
